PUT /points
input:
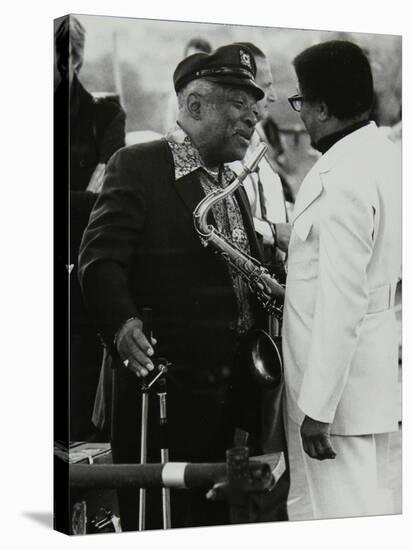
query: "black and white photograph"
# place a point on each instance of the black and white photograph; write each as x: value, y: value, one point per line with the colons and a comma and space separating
x: 204, y: 281
x: 234, y: 305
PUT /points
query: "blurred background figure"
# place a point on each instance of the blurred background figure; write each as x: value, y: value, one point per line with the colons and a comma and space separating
x: 195, y: 45
x: 268, y: 129
x: 386, y: 109
x: 264, y: 188
x: 97, y: 124
x: 96, y: 127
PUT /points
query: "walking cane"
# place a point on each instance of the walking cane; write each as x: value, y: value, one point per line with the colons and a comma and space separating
x: 143, y: 455
x: 164, y: 449
x: 147, y: 329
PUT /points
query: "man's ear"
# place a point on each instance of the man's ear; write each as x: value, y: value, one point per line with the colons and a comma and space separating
x: 194, y: 106
x: 323, y: 112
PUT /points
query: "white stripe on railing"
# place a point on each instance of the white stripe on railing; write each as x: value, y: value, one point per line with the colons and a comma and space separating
x: 173, y: 474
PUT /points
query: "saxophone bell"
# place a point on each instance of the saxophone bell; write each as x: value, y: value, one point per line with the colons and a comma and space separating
x: 265, y: 358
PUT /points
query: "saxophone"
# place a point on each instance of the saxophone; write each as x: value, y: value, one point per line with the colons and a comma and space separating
x: 265, y: 286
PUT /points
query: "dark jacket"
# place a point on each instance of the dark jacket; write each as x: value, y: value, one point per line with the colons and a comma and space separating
x: 97, y: 130
x: 87, y: 132
x: 141, y: 250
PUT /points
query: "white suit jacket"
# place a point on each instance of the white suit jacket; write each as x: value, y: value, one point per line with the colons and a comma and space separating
x: 339, y: 330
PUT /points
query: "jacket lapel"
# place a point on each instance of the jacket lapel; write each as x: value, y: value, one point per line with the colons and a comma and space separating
x: 191, y: 192
x: 309, y: 191
x: 312, y: 186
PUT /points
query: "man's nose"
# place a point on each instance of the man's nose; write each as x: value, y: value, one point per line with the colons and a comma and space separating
x: 251, y: 116
x: 272, y: 96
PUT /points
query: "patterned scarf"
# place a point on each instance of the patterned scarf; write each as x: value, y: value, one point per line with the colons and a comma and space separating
x: 226, y: 212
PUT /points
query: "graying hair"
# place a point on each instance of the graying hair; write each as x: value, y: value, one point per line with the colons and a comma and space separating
x: 201, y: 86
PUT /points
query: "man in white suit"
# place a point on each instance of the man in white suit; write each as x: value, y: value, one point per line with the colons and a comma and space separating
x: 339, y: 332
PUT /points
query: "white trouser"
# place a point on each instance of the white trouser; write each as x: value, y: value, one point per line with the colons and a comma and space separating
x: 355, y: 483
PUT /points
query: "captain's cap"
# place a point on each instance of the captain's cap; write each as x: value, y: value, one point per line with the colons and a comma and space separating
x: 232, y: 65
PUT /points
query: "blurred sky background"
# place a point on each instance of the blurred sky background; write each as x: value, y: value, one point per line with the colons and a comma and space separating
x: 138, y: 57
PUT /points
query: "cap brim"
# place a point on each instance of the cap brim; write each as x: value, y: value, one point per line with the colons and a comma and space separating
x: 247, y: 83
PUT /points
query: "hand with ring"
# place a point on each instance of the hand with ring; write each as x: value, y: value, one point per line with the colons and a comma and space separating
x: 134, y: 349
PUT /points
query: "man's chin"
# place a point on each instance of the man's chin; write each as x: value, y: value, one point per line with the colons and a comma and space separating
x: 237, y: 154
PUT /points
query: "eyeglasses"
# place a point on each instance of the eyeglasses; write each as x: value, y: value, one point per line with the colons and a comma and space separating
x: 296, y: 102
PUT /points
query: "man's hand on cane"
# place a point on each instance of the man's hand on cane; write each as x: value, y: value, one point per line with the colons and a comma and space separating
x: 134, y: 348
x: 316, y: 439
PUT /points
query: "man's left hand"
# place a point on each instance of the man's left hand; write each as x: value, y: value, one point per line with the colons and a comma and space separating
x: 316, y: 439
x: 283, y: 231
x: 264, y: 229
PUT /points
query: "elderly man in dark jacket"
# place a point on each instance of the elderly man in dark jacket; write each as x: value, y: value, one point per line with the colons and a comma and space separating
x: 141, y: 250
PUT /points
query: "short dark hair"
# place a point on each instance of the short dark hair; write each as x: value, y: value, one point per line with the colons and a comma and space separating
x: 257, y: 52
x: 337, y: 72
x: 199, y: 44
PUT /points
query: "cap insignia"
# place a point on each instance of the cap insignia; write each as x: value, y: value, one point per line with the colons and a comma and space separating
x: 245, y: 59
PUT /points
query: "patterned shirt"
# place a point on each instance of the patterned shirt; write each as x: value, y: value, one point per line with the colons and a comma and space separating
x: 226, y: 212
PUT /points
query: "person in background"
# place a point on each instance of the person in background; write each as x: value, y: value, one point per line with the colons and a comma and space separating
x: 97, y: 125
x: 264, y: 188
x: 340, y: 344
x: 195, y: 45
x: 96, y: 130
